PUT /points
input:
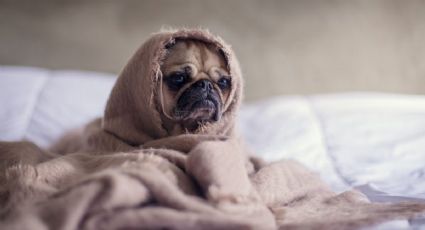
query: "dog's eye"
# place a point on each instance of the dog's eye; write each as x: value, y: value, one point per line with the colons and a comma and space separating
x: 176, y: 80
x: 224, y: 83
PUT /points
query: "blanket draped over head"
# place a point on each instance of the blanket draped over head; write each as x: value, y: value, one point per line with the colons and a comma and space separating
x: 126, y: 171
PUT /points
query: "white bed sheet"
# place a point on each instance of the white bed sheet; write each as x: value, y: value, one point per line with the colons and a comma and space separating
x: 374, y: 142
x: 354, y: 139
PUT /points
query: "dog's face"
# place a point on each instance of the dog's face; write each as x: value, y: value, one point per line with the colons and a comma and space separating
x: 196, y: 83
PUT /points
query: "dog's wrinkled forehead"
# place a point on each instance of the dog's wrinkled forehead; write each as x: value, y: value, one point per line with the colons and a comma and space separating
x: 198, y: 58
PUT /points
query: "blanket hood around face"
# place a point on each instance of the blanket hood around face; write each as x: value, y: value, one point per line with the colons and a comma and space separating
x: 134, y: 109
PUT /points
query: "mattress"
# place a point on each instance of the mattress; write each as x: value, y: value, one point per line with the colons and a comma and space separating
x: 373, y: 142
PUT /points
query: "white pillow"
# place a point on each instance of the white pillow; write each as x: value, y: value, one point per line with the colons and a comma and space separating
x: 40, y: 105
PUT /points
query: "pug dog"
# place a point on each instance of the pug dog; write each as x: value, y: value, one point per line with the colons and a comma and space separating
x: 196, y: 84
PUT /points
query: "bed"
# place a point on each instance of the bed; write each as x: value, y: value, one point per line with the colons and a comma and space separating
x: 374, y: 142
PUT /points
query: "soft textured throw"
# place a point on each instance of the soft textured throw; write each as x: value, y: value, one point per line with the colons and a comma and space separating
x: 128, y: 171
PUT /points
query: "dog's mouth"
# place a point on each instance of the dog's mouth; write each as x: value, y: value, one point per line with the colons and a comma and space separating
x: 203, y: 110
x: 192, y: 110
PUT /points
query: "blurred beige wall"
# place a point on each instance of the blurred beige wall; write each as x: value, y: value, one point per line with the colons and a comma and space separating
x: 285, y: 47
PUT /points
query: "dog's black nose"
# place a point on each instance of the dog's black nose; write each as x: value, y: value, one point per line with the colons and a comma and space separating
x: 204, y: 84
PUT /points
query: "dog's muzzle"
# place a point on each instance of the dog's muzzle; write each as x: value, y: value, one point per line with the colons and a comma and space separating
x: 199, y: 103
